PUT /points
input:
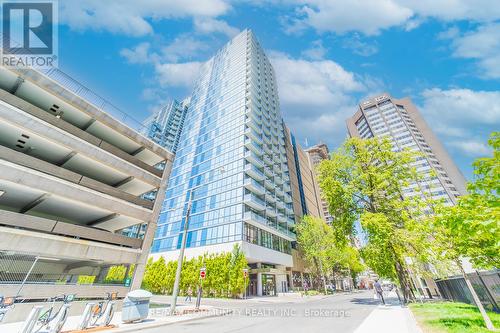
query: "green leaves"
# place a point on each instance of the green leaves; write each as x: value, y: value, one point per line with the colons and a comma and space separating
x: 364, y: 181
x: 318, y: 243
x: 224, y: 274
x: 472, y: 228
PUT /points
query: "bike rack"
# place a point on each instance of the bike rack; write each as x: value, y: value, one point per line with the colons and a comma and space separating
x: 86, y: 316
x: 31, y: 320
x: 53, y: 326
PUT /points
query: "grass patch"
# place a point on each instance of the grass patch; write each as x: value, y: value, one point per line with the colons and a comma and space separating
x: 451, y: 317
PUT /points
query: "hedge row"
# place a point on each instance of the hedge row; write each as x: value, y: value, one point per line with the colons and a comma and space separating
x: 224, y: 275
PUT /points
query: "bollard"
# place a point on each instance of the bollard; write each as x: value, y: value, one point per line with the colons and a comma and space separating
x: 86, y: 316
x: 29, y: 323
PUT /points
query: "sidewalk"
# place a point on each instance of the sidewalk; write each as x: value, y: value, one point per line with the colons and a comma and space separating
x: 390, y: 318
x: 157, y: 317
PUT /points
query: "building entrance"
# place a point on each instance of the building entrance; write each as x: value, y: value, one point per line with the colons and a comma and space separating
x: 268, y: 285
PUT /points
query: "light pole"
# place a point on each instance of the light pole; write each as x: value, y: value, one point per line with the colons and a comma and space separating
x: 181, y: 255
x: 183, y: 247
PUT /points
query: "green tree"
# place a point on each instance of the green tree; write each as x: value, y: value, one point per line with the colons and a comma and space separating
x: 312, y: 237
x: 364, y: 180
x: 237, y: 281
x: 471, y: 229
x: 155, y: 276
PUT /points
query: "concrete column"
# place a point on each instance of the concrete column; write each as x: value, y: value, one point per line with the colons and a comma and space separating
x: 151, y: 229
x: 259, y: 284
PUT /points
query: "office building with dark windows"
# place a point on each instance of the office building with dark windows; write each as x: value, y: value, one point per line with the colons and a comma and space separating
x: 401, y: 122
x: 317, y: 154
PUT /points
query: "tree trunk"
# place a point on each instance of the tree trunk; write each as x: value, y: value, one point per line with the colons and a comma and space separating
x: 404, y: 280
x: 322, y: 275
x: 486, y: 318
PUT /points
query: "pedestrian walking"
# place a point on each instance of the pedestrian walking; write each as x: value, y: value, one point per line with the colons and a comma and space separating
x: 379, y: 290
x: 189, y: 294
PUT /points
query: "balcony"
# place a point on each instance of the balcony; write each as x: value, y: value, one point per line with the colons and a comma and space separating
x: 269, y: 184
x: 266, y: 130
x: 254, y: 172
x: 251, y: 216
x: 282, y: 218
x: 268, y: 171
x: 278, y: 180
x: 270, y: 197
x: 280, y: 205
x: 250, y: 122
x: 253, y: 147
x: 254, y: 186
x: 253, y: 158
x: 254, y: 135
x: 255, y: 202
x: 267, y: 160
x: 271, y: 212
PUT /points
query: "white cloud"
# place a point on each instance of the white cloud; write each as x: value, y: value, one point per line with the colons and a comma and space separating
x: 177, y: 75
x: 464, y: 107
x: 370, y: 17
x: 131, y: 17
x: 359, y: 47
x: 138, y: 54
x: 183, y: 47
x: 453, y: 10
x: 472, y: 148
x: 209, y: 25
x: 316, y: 96
x: 316, y: 52
x: 463, y: 118
x: 483, y: 45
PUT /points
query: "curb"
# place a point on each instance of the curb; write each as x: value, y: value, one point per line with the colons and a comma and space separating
x: 160, y: 324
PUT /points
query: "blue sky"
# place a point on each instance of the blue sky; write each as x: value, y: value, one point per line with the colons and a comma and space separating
x: 328, y: 55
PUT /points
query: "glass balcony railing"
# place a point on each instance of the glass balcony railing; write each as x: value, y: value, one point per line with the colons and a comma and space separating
x: 254, y: 172
x: 253, y: 158
x: 253, y: 147
x: 254, y: 186
x: 254, y: 135
x: 253, y: 201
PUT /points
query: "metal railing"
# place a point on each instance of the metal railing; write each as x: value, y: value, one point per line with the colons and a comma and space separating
x: 93, y: 98
x: 17, y: 268
x: 486, y: 284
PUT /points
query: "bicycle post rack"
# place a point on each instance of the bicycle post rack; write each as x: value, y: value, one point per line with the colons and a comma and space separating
x: 86, y: 316
x: 61, y: 317
x: 108, y: 314
x: 29, y: 323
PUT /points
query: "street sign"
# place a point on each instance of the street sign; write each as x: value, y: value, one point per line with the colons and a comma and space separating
x: 203, y: 272
x: 127, y: 282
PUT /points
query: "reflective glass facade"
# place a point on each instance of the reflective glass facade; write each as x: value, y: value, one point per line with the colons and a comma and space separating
x: 165, y: 126
x: 231, y: 156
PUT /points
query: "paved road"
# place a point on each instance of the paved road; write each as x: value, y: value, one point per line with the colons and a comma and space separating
x: 336, y: 313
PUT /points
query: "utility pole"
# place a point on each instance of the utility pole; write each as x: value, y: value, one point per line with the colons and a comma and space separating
x: 181, y: 256
x: 183, y: 247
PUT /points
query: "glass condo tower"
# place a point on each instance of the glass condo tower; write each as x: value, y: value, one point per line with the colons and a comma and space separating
x: 231, y: 160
